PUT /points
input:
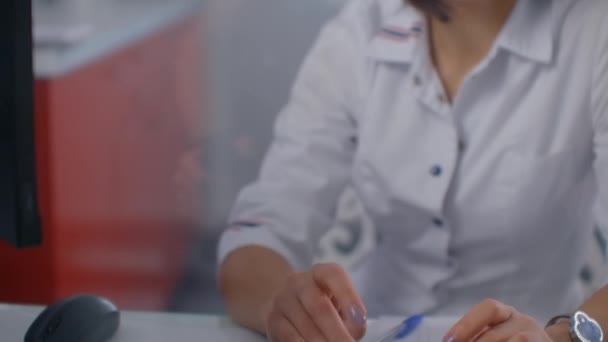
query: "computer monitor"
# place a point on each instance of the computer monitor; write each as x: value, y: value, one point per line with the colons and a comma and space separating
x: 19, y: 219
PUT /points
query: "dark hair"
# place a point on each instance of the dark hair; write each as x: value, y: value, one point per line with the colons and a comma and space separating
x: 437, y: 8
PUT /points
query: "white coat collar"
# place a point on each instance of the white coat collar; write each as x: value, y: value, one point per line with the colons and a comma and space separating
x: 530, y: 31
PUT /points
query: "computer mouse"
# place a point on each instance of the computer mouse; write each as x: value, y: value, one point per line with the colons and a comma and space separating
x: 81, y: 318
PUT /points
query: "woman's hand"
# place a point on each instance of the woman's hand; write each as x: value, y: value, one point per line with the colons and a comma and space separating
x: 319, y: 305
x: 492, y: 321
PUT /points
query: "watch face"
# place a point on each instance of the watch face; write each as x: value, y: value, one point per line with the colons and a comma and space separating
x: 586, y: 329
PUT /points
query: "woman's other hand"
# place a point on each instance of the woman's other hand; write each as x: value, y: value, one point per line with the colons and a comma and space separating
x: 319, y: 305
x: 493, y: 321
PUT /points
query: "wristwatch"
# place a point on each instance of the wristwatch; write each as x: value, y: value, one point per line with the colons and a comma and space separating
x: 582, y: 327
x: 585, y: 329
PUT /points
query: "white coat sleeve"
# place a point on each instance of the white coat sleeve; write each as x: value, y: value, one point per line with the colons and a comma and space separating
x: 308, y: 165
x: 600, y: 109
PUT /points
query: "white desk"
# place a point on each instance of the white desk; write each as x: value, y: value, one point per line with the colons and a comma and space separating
x: 137, y: 326
x: 166, y: 327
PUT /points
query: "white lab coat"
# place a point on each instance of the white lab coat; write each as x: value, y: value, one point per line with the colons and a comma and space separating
x: 489, y: 196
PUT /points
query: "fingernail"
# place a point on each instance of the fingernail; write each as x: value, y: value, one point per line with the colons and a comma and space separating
x: 449, y: 338
x: 357, y: 315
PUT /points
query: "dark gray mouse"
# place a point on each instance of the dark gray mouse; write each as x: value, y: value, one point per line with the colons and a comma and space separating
x: 82, y: 318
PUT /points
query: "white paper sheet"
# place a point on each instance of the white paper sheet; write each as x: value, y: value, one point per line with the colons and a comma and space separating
x: 432, y: 329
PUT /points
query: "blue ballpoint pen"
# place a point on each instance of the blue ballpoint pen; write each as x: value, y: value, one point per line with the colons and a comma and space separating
x: 404, y: 329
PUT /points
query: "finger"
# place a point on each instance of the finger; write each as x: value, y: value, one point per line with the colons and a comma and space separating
x: 505, y: 331
x: 334, y: 280
x: 324, y: 314
x: 299, y: 318
x: 281, y: 330
x: 488, y: 313
x: 499, y: 333
x: 483, y: 331
x: 529, y: 337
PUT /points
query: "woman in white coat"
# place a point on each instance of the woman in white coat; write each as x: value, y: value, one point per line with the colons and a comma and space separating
x: 475, y: 133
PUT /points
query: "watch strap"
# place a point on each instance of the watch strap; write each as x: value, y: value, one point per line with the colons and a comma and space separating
x: 558, y: 318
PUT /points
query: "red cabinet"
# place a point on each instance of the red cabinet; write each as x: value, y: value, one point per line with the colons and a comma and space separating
x: 109, y: 136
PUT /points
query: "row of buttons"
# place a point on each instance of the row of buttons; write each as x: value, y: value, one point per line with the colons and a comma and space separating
x: 437, y: 170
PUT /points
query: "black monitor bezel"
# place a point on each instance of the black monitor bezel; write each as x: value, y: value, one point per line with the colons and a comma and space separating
x: 17, y: 45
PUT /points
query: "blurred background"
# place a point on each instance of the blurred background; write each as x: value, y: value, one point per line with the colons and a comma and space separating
x: 150, y: 116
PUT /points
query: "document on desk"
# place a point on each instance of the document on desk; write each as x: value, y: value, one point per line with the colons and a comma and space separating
x: 430, y: 329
